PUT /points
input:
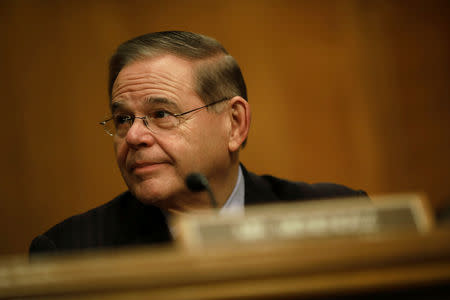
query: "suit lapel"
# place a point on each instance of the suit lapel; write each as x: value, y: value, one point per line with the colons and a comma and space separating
x: 257, y: 190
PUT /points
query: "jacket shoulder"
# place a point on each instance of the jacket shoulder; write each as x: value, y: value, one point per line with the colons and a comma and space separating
x: 291, y: 190
x: 78, y: 230
x: 267, y: 189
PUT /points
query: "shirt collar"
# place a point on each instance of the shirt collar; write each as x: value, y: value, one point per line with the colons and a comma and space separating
x: 235, y: 203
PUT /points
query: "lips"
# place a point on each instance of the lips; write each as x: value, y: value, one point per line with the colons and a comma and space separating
x: 140, y: 165
x: 145, y: 167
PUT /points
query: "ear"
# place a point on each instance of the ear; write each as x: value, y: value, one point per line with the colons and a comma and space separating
x: 240, y: 116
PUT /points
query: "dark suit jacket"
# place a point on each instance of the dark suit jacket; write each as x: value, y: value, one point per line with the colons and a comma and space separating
x: 125, y: 221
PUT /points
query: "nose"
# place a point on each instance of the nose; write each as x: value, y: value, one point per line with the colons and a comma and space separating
x: 139, y: 135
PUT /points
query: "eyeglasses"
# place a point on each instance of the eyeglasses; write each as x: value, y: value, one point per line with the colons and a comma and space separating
x: 156, y: 121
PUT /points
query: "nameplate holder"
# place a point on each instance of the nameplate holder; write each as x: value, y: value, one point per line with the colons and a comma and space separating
x: 315, y: 219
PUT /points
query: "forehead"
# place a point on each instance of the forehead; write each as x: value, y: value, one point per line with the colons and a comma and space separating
x: 164, y: 76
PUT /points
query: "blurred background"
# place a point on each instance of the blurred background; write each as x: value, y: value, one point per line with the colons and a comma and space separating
x: 353, y: 92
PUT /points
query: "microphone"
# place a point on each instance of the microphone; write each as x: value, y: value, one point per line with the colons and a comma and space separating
x: 41, y: 245
x: 197, y: 182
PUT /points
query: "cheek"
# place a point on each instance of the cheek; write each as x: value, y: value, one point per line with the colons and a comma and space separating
x: 120, y: 149
x: 205, y: 142
x: 183, y: 147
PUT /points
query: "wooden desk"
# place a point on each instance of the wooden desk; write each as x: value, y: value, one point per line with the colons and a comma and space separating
x: 410, y: 264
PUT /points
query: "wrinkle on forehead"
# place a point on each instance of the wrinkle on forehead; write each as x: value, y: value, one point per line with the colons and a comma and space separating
x: 148, y: 101
x: 154, y: 75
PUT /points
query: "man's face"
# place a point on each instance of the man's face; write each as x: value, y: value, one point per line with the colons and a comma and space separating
x: 154, y: 165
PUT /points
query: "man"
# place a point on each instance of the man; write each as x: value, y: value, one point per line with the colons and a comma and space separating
x: 179, y: 105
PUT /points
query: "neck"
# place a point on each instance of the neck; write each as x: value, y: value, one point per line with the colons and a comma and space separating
x: 222, y: 189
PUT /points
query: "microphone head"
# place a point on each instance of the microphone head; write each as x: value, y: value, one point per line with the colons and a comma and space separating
x: 196, y: 182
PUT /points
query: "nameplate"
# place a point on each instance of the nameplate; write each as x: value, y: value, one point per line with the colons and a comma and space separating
x: 317, y: 219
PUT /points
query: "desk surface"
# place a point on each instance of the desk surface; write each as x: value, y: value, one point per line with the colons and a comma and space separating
x: 297, y: 269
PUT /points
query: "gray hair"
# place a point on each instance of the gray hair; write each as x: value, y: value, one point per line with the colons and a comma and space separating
x: 216, y: 73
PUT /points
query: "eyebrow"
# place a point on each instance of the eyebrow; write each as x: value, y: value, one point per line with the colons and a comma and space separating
x: 116, y: 105
x: 151, y: 100
x: 161, y: 100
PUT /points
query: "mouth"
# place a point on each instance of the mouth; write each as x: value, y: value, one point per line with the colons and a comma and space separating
x: 146, y: 167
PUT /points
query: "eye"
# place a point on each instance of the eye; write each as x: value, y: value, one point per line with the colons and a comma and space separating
x: 160, y: 114
x: 162, y: 119
x: 121, y: 119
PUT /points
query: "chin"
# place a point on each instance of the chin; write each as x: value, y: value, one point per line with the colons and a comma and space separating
x: 153, y: 191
